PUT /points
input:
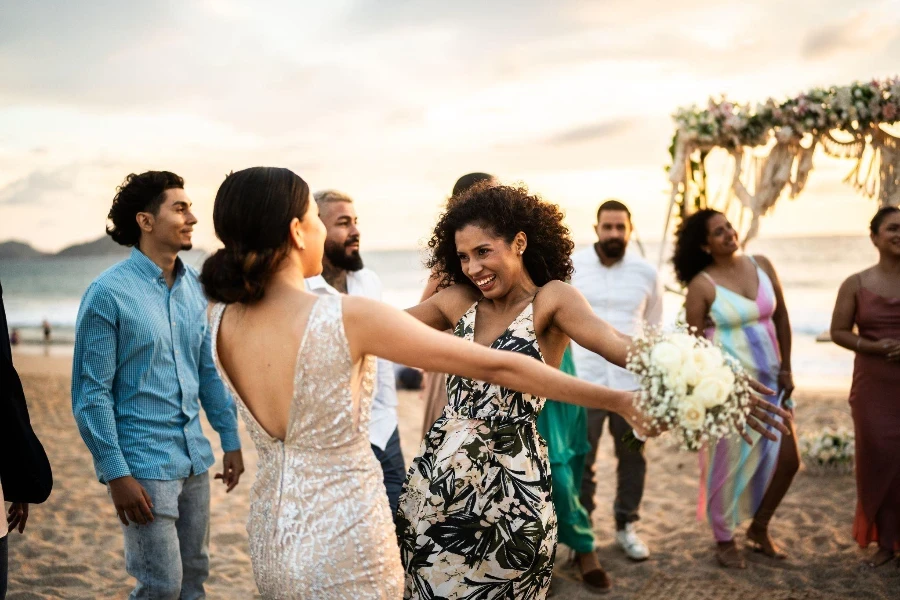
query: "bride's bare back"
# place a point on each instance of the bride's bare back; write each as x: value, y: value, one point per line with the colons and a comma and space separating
x: 258, y: 348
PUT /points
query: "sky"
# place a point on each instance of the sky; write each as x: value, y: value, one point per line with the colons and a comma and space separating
x: 391, y: 101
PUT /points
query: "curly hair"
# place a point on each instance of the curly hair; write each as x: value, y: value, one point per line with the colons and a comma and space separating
x: 689, y: 258
x: 138, y: 193
x: 506, y: 211
x: 252, y: 215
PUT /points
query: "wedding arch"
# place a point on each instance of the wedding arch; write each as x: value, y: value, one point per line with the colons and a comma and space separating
x: 766, y: 151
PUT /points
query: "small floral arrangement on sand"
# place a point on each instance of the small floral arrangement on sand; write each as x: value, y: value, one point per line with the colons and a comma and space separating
x: 689, y: 386
x: 828, y: 451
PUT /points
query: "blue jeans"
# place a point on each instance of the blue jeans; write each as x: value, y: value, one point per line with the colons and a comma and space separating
x: 391, y: 459
x: 170, y: 556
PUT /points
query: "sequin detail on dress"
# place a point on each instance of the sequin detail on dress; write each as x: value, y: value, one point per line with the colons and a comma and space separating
x: 319, y: 525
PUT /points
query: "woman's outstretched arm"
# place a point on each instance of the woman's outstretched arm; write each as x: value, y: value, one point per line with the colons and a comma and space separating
x: 572, y: 314
x: 377, y: 329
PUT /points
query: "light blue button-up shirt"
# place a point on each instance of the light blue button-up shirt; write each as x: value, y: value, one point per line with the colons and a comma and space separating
x: 141, y: 370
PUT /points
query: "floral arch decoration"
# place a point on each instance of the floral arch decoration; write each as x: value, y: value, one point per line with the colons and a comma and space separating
x: 771, y: 147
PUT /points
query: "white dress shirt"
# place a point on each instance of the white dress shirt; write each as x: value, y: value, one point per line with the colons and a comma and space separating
x: 384, y: 403
x: 625, y: 294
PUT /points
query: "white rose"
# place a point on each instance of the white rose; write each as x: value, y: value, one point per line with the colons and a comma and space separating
x: 711, y: 391
x: 691, y: 413
x: 668, y: 356
x: 707, y: 360
x: 683, y: 340
x: 689, y: 373
x: 725, y: 374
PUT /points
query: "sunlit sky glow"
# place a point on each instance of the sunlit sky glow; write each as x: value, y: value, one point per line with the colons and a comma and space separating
x: 391, y: 101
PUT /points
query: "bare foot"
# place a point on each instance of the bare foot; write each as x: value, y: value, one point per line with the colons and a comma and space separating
x: 761, y: 542
x: 881, y: 557
x: 592, y: 572
x: 729, y: 556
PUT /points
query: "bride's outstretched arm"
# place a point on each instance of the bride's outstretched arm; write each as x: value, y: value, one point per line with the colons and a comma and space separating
x: 377, y: 329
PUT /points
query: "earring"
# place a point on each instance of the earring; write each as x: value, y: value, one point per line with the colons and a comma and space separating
x: 521, y: 252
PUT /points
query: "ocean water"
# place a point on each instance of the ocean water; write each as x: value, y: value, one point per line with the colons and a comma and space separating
x: 811, y: 270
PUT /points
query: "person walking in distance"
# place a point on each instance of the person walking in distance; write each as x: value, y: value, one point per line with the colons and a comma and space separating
x: 142, y: 368
x: 624, y: 290
x: 343, y: 273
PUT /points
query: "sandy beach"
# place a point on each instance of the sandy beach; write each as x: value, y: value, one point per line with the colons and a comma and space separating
x: 72, y: 547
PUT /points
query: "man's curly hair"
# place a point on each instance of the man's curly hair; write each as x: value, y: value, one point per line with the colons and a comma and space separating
x: 504, y: 210
x: 138, y: 193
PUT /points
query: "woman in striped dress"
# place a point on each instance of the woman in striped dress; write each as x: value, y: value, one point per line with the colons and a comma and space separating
x: 736, y: 300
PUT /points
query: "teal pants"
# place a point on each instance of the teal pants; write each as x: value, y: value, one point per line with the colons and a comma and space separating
x: 564, y: 428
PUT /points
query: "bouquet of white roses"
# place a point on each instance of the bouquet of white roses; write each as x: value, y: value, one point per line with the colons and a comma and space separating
x: 828, y: 451
x: 689, y: 386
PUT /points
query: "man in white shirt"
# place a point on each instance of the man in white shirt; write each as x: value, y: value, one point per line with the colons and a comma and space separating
x: 624, y: 290
x: 343, y: 273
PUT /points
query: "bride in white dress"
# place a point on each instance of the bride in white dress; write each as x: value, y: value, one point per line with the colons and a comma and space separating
x: 300, y: 368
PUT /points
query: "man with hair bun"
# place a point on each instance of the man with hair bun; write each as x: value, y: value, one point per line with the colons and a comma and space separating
x: 142, y: 368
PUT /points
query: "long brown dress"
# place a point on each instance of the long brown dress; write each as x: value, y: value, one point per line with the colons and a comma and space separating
x: 875, y: 405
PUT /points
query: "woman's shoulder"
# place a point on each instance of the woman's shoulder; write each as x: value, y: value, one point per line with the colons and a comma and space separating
x: 458, y: 293
x: 762, y: 261
x: 556, y: 289
x: 855, y: 282
x: 702, y: 284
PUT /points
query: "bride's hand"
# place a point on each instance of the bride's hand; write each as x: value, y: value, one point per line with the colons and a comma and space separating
x: 635, y: 419
x: 761, y: 414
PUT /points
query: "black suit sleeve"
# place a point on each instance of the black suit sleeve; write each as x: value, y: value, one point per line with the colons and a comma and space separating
x: 24, y: 469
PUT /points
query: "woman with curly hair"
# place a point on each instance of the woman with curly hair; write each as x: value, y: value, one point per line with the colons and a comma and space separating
x: 476, y: 519
x: 737, y: 302
x: 300, y: 369
x: 435, y: 385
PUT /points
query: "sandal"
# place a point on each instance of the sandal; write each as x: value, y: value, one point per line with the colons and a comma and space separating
x: 882, y: 557
x: 729, y: 556
x: 596, y: 578
x: 761, y: 542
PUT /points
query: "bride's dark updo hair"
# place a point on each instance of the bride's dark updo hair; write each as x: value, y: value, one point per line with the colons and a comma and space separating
x: 252, y: 216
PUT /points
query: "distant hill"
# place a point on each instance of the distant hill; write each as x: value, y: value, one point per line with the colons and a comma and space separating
x: 103, y: 246
x: 13, y: 249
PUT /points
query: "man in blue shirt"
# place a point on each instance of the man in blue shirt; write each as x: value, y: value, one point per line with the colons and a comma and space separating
x: 142, y: 369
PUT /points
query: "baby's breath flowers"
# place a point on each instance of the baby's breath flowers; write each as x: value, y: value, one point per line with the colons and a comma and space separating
x: 688, y: 386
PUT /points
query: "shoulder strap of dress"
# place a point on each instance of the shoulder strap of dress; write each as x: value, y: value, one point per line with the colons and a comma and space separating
x: 709, y: 277
x: 753, y: 260
x: 215, y: 318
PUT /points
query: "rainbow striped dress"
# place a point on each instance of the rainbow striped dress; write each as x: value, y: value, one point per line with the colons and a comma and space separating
x: 734, y: 475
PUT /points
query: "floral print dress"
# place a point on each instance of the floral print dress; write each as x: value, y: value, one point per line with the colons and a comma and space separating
x: 476, y: 519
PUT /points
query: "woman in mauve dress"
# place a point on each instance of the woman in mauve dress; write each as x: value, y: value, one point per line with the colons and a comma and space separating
x: 870, y: 300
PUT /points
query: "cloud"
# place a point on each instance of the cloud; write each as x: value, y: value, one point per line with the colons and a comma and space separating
x: 591, y: 133
x: 39, y: 188
x: 865, y: 32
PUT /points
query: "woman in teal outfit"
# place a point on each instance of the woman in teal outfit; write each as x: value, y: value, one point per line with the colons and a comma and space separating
x: 564, y: 427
